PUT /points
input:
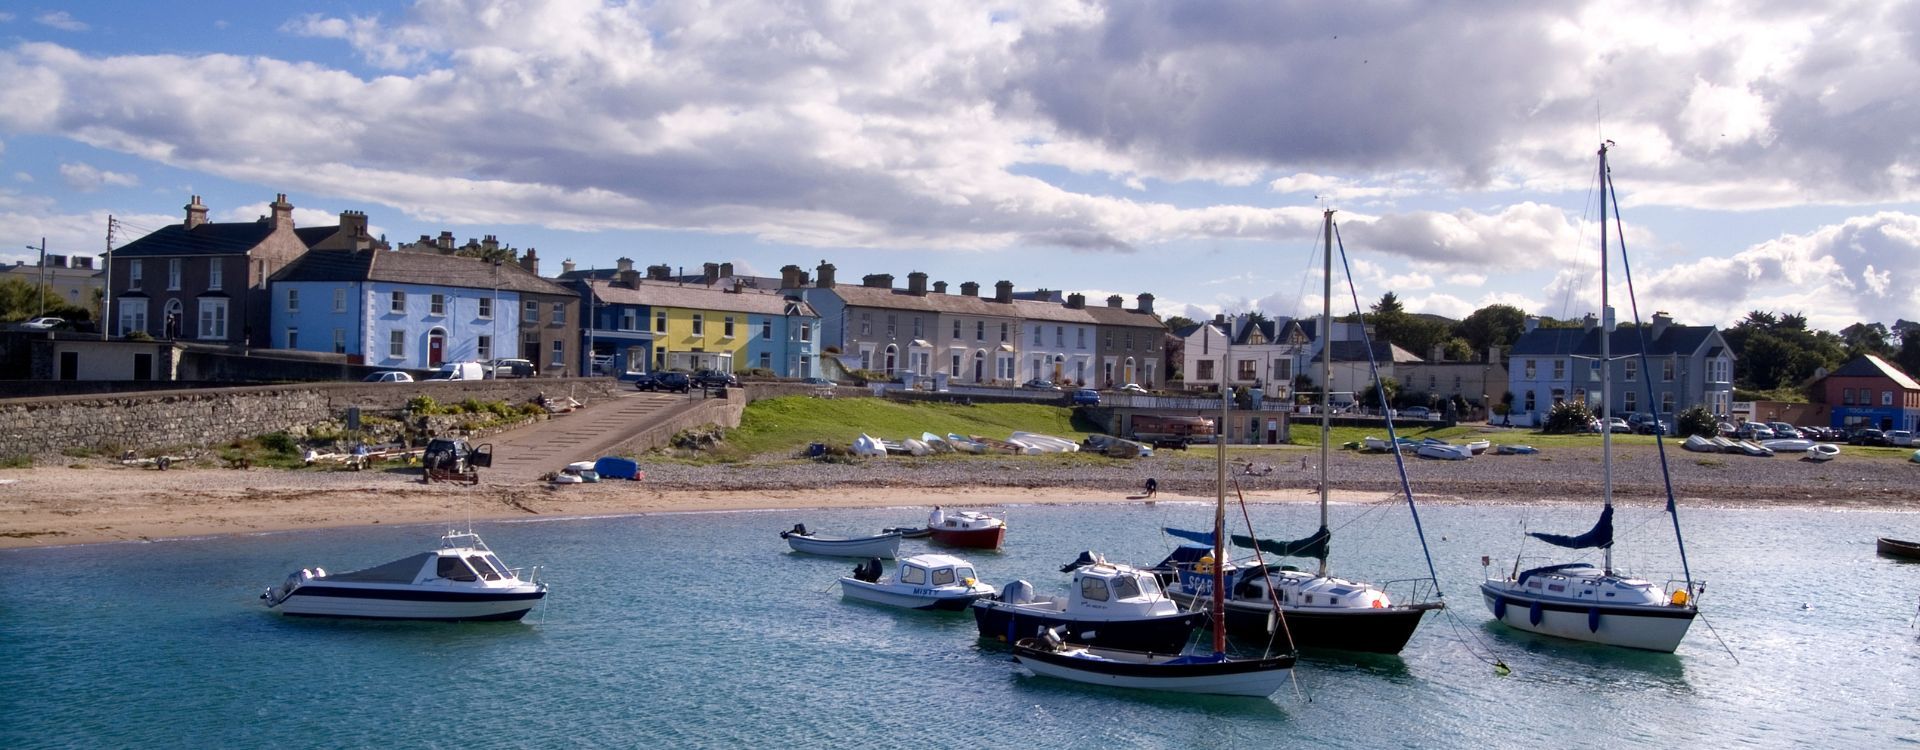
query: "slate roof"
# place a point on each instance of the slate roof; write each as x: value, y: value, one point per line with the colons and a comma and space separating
x: 415, y: 268
x: 1356, y: 351
x: 1869, y: 366
x: 899, y: 299
x: 700, y: 297
x: 1120, y: 316
x: 234, y: 238
x: 1561, y: 342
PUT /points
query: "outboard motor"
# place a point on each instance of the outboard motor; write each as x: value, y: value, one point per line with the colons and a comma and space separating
x: 868, y: 571
x: 1018, y: 592
x: 799, y: 529
x: 1086, y: 558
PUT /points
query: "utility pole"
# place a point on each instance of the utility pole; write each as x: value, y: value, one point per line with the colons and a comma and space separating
x: 106, y: 299
x: 43, y: 277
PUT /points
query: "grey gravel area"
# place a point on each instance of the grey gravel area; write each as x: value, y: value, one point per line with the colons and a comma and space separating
x: 1571, y: 473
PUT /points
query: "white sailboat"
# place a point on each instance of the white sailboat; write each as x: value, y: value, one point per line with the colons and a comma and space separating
x: 1599, y: 604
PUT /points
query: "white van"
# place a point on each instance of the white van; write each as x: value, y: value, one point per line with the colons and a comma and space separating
x: 459, y: 371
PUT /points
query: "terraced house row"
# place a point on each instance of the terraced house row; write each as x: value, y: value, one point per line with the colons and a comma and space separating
x: 337, y: 290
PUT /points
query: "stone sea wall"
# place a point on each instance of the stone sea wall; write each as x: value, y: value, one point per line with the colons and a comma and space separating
x: 206, y: 417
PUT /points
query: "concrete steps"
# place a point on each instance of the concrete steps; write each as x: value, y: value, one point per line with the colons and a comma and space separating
x: 522, y: 455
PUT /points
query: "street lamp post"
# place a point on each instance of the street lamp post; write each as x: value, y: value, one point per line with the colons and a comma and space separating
x: 42, y: 289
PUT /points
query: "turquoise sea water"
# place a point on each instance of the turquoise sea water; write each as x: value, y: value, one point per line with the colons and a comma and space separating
x: 702, y: 630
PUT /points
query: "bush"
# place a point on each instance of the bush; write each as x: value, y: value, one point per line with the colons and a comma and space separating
x: 1568, y: 417
x: 19, y: 461
x: 138, y: 336
x: 422, y: 406
x: 1696, y: 421
x: 279, y: 442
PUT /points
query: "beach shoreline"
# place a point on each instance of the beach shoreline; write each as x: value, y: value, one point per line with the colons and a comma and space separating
x: 107, y: 502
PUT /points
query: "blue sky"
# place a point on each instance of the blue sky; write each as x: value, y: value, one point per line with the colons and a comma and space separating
x: 1764, y: 150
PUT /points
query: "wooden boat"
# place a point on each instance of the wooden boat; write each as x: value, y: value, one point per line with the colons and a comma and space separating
x: 929, y: 582
x: 883, y: 545
x: 1898, y: 548
x: 966, y: 528
x: 462, y: 580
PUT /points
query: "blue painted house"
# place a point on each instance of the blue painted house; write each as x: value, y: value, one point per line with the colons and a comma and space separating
x: 1684, y: 366
x: 410, y: 310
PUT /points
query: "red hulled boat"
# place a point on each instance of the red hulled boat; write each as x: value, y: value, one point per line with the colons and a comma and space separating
x: 966, y: 529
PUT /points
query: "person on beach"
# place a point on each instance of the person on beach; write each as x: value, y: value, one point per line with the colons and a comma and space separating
x: 1153, y: 486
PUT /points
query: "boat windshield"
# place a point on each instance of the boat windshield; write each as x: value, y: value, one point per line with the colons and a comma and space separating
x: 913, y: 574
x: 1125, y: 587
x: 454, y: 569
x: 942, y: 576
x: 485, y: 567
x: 964, y: 572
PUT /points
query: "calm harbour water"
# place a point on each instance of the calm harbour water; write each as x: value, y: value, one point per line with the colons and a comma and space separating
x: 702, y: 630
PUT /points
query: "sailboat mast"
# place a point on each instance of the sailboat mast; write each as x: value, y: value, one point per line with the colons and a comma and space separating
x: 1326, y: 375
x: 1220, y: 513
x: 1606, y: 360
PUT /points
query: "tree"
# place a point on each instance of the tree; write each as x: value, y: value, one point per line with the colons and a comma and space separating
x: 1867, y: 338
x: 1696, y: 421
x: 1372, y: 395
x: 1177, y: 322
x: 1779, y: 351
x: 1909, y: 357
x: 1490, y: 326
x: 1458, y: 350
x: 1388, y: 306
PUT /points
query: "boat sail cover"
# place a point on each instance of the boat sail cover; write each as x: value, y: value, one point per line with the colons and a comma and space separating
x: 1601, y: 535
x: 1314, y: 546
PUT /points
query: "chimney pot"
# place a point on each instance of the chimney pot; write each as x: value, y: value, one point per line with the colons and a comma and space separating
x: 917, y: 284
x: 1146, y: 303
x: 1115, y: 300
x: 623, y: 264
x: 826, y: 275
x: 566, y: 266
x: 939, y: 287
x: 969, y: 289
x: 1003, y: 291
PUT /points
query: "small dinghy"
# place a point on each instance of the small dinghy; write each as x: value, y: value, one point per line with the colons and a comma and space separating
x: 1477, y: 447
x: 1822, y: 452
x: 1051, y: 444
x: 966, y: 528
x: 884, y: 545
x: 1898, y: 548
x: 868, y: 445
x: 1753, y: 449
x: 1699, y: 444
x: 914, y: 447
x: 965, y: 444
x: 462, y: 580
x: 928, y: 582
x: 1516, y: 450
x: 1787, y: 445
x: 937, y: 443
x: 1444, y: 451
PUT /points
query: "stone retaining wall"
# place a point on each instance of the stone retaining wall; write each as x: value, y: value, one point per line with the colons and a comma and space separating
x: 206, y: 417
x: 720, y: 411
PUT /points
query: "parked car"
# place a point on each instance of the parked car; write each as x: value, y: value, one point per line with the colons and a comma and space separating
x: 1818, y: 432
x: 44, y: 324
x: 460, y: 371
x: 509, y: 367
x: 1086, y: 397
x: 1132, y: 388
x: 1868, y: 436
x: 1647, y: 424
x: 715, y: 379
x: 1903, y: 438
x: 1414, y: 412
x: 1040, y: 385
x: 1784, y: 430
x: 1618, y: 425
x: 388, y: 376
x: 1753, y: 431
x: 671, y: 382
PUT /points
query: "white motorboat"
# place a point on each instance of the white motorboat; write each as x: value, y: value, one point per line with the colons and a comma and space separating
x: 1111, y: 605
x: 1599, y: 604
x: 884, y: 545
x: 1444, y: 451
x: 462, y: 580
x: 1787, y: 445
x: 942, y: 582
x: 1823, y: 452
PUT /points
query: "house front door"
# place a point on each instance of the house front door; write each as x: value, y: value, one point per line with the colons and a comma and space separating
x: 436, y: 349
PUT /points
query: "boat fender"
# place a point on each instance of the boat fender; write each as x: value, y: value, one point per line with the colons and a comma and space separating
x: 1679, y: 597
x: 1500, y: 607
x: 1593, y: 619
x: 1379, y: 604
x: 1204, y: 566
x: 1533, y: 614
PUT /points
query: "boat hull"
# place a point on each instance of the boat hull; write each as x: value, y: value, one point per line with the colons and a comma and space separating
x: 1161, y: 635
x: 321, y: 600
x: 1652, y: 628
x: 1383, y: 630
x: 971, y: 538
x: 884, y: 546
x: 1254, y: 678
x: 1898, y: 548
x: 867, y: 592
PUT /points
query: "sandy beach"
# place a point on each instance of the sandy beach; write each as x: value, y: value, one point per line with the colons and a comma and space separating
x: 106, y: 502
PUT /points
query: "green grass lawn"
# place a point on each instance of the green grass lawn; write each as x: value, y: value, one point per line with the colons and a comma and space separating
x: 779, y: 425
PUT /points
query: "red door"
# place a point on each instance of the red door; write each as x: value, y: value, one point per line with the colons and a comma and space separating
x: 436, y: 349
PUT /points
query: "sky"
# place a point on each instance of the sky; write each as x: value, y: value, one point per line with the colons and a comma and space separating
x: 1766, y: 154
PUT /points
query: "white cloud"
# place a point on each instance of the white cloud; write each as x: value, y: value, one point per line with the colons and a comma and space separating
x: 1858, y: 270
x: 6, y: 17
x: 88, y: 178
x: 22, y: 177
x: 60, y: 19
x: 1467, y: 279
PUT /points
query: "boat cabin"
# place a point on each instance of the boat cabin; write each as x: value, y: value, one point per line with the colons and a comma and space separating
x: 1586, y: 583
x: 456, y: 565
x: 1301, y: 590
x: 1117, y: 589
x: 936, y: 571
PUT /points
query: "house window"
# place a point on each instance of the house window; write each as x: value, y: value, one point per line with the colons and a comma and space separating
x: 1205, y: 369
x: 659, y: 356
x: 866, y: 324
x: 892, y: 322
x: 918, y: 328
x: 1886, y: 398
x: 1037, y: 336
x: 726, y: 327
x: 1079, y: 338
x: 699, y: 324
x: 1527, y: 366
x: 216, y: 273
x: 1666, y: 402
x: 1003, y: 334
x: 340, y: 300
x: 293, y: 338
x: 1283, y: 370
x: 1529, y: 406
x: 956, y: 328
x: 1060, y: 337
x: 956, y: 365
x: 398, y: 302
x: 1666, y: 371
x: 1129, y: 341
x: 339, y: 341
x: 766, y: 330
x: 806, y: 332
x: 213, y: 319
x: 980, y: 330
x: 173, y: 274
x: 1633, y: 370
x: 293, y: 300
x: 660, y: 321
x: 484, y: 345
x: 1593, y: 370
x: 1203, y: 342
x: 486, y: 308
x: 1846, y: 397
x: 766, y: 361
x: 628, y: 319
x: 1717, y: 370
x: 1632, y: 403
x: 397, y: 344
x: 133, y: 274
x: 559, y: 354
x: 559, y: 313
x: 133, y: 315
x: 1247, y: 370
x: 437, y: 305
x: 530, y: 312
x: 1559, y: 369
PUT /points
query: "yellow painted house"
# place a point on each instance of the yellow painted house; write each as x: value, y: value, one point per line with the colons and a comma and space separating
x: 687, y: 338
